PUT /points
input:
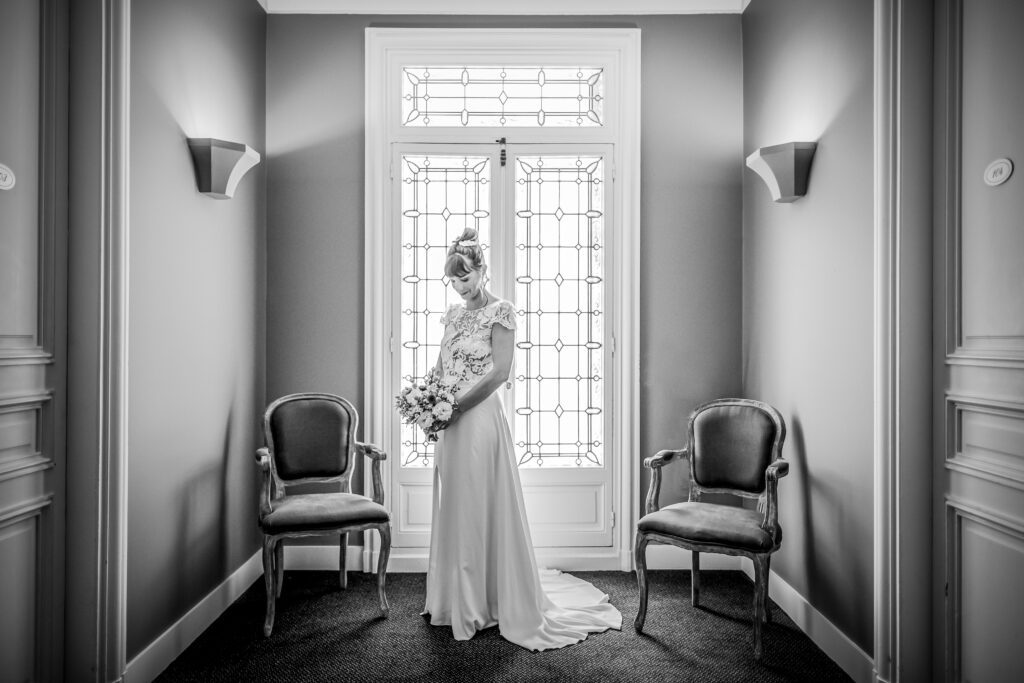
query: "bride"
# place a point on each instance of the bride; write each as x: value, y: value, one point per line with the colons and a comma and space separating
x: 482, y: 569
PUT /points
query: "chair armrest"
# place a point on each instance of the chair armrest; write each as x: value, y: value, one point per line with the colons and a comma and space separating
x: 777, y: 470
x: 371, y: 451
x: 654, y: 464
x: 266, y: 486
x: 772, y: 474
x: 376, y: 455
x: 662, y: 458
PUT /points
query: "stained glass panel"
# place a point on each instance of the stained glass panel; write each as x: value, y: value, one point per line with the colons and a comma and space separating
x: 559, y: 362
x: 520, y: 96
x: 441, y: 195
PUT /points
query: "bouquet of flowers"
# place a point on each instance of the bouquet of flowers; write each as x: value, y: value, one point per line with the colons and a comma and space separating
x: 429, y: 404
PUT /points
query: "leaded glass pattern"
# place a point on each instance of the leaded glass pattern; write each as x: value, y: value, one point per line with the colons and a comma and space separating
x: 441, y: 195
x: 559, y: 361
x: 519, y: 96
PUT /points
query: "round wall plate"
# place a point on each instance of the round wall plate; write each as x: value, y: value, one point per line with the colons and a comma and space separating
x: 998, y: 172
x: 6, y: 177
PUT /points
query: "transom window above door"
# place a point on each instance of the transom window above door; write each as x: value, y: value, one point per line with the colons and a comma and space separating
x: 514, y: 96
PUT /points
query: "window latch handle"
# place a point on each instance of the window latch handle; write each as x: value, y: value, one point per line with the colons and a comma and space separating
x: 501, y: 141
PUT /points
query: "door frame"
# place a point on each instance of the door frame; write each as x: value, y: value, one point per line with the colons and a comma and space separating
x: 903, y: 297
x: 95, y: 623
x: 620, y: 50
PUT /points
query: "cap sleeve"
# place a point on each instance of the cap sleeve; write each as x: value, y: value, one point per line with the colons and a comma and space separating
x: 504, y: 315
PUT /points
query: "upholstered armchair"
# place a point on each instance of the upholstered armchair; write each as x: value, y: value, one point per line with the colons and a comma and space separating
x: 734, y: 446
x: 311, y: 438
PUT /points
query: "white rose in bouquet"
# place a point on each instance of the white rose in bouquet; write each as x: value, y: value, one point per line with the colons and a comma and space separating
x: 425, y: 421
x: 442, y: 411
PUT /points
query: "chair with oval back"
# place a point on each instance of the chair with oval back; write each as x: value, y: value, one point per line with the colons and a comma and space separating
x: 310, y: 437
x: 734, y: 446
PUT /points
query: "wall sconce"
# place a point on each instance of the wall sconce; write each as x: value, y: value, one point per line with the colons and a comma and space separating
x: 785, y: 168
x: 220, y: 165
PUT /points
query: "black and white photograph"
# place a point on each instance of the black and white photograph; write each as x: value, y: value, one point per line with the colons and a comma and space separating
x: 472, y: 341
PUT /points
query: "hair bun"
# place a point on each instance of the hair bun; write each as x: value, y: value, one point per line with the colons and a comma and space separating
x: 468, y: 238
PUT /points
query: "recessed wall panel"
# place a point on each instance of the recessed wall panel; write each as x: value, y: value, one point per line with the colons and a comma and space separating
x: 18, y: 595
x: 991, y: 632
x: 992, y: 241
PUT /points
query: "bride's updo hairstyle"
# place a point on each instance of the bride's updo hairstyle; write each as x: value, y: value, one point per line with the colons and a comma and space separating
x: 464, y: 255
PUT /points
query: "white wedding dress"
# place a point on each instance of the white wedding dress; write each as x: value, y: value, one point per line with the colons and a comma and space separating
x: 482, y: 569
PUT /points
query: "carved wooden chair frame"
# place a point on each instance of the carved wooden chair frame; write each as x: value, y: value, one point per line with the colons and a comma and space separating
x: 767, y: 501
x: 273, y: 489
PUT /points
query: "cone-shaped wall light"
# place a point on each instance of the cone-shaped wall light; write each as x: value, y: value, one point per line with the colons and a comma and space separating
x: 220, y: 165
x: 785, y: 168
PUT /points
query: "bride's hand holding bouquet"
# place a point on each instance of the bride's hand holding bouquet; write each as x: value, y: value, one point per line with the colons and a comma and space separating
x: 430, y: 404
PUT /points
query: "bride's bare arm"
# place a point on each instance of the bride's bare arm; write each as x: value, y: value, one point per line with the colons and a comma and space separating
x: 502, y: 348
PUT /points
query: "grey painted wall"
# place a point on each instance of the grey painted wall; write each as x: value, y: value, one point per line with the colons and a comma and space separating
x: 807, y: 292
x: 690, y: 209
x: 196, y: 331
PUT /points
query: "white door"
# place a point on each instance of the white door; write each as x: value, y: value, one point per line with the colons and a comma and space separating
x: 32, y: 367
x: 543, y: 215
x: 979, y: 508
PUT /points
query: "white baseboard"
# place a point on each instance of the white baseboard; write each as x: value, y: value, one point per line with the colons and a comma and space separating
x: 158, y: 655
x: 854, y: 661
x: 321, y: 557
x: 414, y: 560
x: 661, y: 556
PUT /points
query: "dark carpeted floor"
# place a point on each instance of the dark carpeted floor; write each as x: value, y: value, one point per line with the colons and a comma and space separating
x: 324, y: 634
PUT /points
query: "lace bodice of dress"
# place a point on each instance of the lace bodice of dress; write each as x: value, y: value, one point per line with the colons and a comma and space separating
x: 466, y: 345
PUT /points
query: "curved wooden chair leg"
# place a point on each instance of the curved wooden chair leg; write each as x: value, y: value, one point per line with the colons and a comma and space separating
x: 279, y: 566
x: 269, y: 576
x: 342, y: 557
x: 382, y: 566
x: 640, y: 552
x: 760, y: 588
x: 695, y: 579
x: 767, y: 602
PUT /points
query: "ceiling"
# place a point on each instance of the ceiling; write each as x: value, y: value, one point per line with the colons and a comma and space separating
x: 518, y: 7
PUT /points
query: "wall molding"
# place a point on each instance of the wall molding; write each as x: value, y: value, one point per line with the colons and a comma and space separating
x: 22, y: 401
x: 961, y: 357
x: 903, y: 287
x: 97, y: 310
x: 169, y: 645
x: 112, y: 524
x: 20, y: 467
x: 857, y: 664
x: 17, y: 512
x: 35, y: 355
x: 1007, y: 470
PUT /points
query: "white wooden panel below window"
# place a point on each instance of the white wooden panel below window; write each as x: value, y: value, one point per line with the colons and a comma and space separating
x: 18, y: 557
x: 416, y: 508
x: 568, y: 515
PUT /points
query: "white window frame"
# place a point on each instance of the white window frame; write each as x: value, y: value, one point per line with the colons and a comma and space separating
x: 618, y: 51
